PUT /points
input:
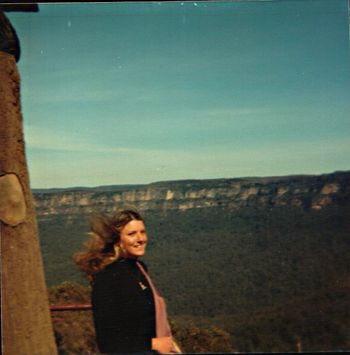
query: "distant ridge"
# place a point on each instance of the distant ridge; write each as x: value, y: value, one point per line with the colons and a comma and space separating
x: 85, y: 188
x: 305, y: 192
x: 111, y: 188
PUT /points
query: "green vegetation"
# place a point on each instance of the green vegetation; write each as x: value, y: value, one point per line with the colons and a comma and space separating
x: 253, y: 279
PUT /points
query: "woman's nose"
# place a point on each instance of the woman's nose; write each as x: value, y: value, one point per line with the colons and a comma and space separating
x: 141, y: 237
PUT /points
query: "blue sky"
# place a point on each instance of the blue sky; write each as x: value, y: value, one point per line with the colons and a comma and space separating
x: 128, y: 93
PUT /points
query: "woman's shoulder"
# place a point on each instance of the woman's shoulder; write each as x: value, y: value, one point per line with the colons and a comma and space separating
x: 114, y: 269
x: 120, y: 268
x: 126, y: 264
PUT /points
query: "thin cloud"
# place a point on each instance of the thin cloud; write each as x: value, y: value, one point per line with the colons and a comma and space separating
x: 49, y: 139
x: 144, y: 166
x: 236, y: 111
x: 70, y: 96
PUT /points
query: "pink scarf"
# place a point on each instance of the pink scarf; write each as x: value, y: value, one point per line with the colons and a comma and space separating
x: 162, y: 324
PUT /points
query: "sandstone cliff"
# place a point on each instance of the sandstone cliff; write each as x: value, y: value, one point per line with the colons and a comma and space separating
x: 301, y: 191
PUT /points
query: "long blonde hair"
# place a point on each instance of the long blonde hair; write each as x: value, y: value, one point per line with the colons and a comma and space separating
x: 105, y: 234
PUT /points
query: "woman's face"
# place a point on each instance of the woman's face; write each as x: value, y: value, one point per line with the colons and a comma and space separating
x: 133, y: 239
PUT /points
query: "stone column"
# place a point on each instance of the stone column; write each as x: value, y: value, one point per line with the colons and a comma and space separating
x: 26, y: 321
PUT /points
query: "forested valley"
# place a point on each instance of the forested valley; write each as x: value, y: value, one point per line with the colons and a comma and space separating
x: 247, y: 280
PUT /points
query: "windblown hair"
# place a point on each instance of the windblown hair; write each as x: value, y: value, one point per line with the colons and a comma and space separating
x: 105, y: 233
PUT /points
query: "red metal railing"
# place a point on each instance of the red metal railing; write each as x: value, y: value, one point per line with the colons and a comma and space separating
x: 70, y: 307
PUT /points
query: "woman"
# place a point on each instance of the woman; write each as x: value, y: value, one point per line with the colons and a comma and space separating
x: 129, y: 315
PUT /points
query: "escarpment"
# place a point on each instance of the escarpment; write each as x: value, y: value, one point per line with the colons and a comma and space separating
x: 300, y: 191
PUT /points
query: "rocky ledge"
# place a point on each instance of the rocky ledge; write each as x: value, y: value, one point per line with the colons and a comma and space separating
x: 300, y: 191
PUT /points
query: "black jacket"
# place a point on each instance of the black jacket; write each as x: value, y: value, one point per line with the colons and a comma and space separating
x: 123, y: 309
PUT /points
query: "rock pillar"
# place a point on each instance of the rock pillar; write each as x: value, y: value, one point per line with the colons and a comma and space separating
x: 26, y: 320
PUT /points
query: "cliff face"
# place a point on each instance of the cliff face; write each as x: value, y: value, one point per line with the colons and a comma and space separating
x: 304, y: 191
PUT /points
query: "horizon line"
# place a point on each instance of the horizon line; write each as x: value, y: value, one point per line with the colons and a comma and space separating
x: 34, y: 189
